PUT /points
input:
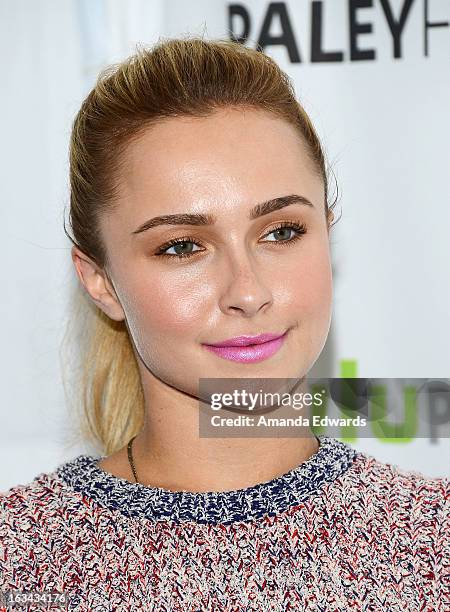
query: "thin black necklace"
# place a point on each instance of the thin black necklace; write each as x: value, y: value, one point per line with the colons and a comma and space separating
x: 130, y: 458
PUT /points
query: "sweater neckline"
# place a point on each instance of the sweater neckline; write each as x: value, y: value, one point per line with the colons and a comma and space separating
x: 331, y: 460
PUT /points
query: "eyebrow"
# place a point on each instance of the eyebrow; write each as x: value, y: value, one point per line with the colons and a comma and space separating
x: 263, y: 208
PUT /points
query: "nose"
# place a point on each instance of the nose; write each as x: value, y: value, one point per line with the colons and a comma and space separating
x: 246, y: 294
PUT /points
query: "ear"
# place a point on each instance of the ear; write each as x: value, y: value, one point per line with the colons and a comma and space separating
x: 97, y: 284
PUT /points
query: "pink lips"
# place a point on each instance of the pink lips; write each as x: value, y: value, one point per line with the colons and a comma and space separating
x: 248, y: 349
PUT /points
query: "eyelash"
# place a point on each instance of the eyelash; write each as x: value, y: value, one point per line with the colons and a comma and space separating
x: 299, y: 228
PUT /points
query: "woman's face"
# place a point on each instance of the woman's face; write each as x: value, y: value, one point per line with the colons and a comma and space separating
x: 241, y: 276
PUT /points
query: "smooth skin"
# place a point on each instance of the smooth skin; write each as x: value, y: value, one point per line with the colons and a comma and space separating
x: 243, y: 278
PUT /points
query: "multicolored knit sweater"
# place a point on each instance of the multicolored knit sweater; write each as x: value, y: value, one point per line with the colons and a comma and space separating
x: 342, y: 531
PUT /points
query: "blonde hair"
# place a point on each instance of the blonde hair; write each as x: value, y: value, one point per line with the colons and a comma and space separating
x: 175, y: 77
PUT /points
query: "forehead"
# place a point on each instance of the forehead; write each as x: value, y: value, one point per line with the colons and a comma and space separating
x: 233, y: 157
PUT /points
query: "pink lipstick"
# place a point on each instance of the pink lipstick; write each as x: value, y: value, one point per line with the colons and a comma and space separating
x: 248, y: 349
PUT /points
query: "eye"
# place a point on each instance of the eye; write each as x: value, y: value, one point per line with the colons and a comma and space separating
x: 181, y: 246
x: 284, y: 229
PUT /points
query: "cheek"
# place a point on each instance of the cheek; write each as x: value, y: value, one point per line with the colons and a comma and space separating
x: 312, y: 300
x: 308, y: 284
x: 177, y: 302
x: 166, y: 304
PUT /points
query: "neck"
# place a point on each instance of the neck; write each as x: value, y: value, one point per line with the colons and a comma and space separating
x: 169, y: 453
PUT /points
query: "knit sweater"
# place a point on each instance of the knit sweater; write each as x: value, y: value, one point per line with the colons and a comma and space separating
x: 342, y: 531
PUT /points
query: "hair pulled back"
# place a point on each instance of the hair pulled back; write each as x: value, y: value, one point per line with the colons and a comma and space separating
x: 175, y: 77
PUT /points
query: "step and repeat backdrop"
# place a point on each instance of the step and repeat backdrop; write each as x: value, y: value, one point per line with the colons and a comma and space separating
x: 374, y: 77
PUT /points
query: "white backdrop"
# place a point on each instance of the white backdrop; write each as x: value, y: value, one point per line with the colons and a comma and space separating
x: 380, y: 104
